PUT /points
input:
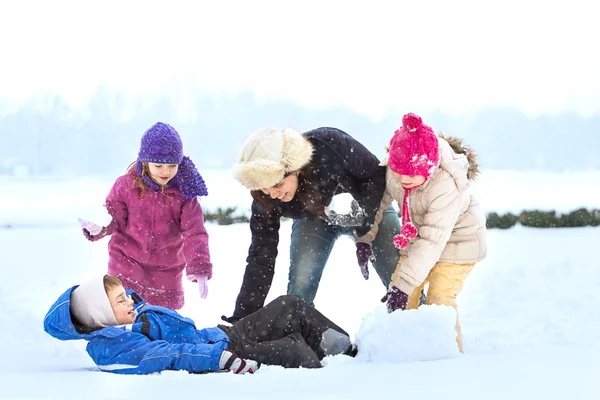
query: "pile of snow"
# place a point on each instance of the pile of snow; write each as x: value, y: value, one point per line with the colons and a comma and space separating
x: 425, y: 334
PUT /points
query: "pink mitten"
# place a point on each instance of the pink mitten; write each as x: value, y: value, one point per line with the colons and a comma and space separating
x: 202, y: 281
x: 92, y: 228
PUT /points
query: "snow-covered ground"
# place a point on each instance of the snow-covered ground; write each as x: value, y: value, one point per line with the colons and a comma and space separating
x: 529, y: 312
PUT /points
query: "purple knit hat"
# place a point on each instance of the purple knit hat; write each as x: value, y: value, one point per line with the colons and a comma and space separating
x: 161, y: 144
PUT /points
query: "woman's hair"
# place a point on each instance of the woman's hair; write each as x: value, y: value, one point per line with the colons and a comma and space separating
x: 111, y: 282
x: 308, y: 194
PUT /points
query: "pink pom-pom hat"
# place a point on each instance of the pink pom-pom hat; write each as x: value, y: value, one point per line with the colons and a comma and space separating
x: 413, y: 151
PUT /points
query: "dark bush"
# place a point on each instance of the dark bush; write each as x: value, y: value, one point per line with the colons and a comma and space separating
x: 576, y: 218
x: 539, y: 219
x: 596, y: 220
x: 224, y: 217
x: 504, y: 221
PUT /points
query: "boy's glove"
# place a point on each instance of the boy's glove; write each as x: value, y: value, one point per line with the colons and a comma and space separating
x: 364, y: 254
x: 230, y: 362
x: 202, y: 281
x: 91, y: 227
x: 396, y: 299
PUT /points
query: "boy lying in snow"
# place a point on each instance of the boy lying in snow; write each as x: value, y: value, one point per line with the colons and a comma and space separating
x: 127, y: 336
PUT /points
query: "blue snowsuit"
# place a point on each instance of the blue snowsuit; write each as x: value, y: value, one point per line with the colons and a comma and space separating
x: 286, y: 332
x: 159, y: 339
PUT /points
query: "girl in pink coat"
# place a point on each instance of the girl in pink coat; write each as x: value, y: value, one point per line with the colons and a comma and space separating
x: 157, y: 224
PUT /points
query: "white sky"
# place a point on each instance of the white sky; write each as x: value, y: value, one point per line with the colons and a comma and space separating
x: 453, y: 56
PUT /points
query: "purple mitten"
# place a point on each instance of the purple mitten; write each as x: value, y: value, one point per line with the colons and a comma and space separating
x: 396, y: 299
x: 364, y: 254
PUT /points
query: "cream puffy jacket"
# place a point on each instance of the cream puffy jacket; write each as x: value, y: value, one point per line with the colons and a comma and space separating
x: 451, y: 222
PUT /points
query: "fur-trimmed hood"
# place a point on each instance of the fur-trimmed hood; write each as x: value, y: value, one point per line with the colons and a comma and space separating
x: 459, y: 147
x: 268, y: 155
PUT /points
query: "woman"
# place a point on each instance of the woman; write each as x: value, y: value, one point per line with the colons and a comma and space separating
x: 296, y: 175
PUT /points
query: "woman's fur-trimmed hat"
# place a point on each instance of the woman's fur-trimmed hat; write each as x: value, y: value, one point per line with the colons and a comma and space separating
x: 268, y: 155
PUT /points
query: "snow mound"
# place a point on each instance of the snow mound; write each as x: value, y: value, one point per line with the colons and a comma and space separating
x: 425, y: 334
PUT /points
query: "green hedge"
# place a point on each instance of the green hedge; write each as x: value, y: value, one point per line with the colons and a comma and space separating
x: 545, y: 219
x: 224, y: 216
x: 529, y: 218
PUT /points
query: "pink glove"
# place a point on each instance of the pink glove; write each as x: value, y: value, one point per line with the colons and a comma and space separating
x: 230, y: 362
x: 92, y: 228
x: 202, y: 281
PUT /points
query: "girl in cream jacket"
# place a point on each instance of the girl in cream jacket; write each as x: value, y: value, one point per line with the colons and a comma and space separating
x: 443, y: 230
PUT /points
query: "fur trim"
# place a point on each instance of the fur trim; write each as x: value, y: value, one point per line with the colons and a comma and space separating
x: 460, y: 148
x: 297, y: 150
x: 264, y: 170
x: 386, y: 157
x: 260, y: 174
x: 172, y: 299
x: 202, y: 268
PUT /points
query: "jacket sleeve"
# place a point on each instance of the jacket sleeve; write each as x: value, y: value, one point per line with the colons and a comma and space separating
x: 117, y: 208
x: 372, y: 234
x: 195, y: 239
x: 364, y: 167
x: 260, y: 266
x: 134, y: 353
x: 438, y: 223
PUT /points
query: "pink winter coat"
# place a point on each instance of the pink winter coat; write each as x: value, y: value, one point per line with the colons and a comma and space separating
x: 153, y: 239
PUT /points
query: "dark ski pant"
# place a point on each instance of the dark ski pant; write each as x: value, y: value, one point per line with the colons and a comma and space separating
x: 287, y: 332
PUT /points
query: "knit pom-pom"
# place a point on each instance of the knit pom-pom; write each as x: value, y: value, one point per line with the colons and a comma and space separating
x: 412, y: 122
x: 400, y: 241
x: 409, y: 230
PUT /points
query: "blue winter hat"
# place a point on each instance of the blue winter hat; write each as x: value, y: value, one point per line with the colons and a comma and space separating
x: 161, y: 144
